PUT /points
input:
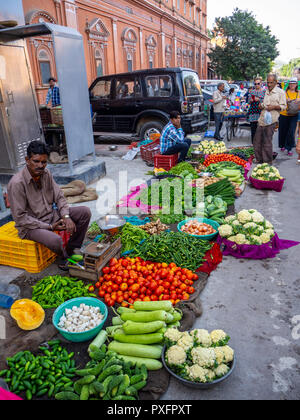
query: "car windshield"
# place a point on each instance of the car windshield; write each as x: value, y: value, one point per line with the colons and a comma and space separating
x: 191, y: 84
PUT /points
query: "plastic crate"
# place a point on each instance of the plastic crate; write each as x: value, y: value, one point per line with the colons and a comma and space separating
x: 166, y: 162
x: 28, y: 255
x: 149, y: 151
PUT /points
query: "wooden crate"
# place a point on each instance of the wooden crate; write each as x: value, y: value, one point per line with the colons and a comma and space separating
x: 95, y: 260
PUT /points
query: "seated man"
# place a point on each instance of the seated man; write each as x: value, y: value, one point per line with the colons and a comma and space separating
x: 173, y: 139
x: 39, y: 207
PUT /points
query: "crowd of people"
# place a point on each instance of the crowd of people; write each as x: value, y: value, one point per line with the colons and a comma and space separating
x: 272, y: 107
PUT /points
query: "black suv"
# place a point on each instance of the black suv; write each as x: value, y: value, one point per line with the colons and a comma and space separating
x: 139, y: 103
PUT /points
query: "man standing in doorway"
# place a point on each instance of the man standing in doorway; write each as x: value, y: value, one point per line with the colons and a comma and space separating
x: 274, y: 103
x: 219, y: 107
x: 53, y: 93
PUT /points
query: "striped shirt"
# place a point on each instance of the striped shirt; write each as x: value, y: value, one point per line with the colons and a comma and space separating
x: 53, y: 94
x: 171, y: 136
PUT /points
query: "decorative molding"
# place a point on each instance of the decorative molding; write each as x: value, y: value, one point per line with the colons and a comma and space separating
x: 96, y: 30
x: 129, y: 39
x: 41, y: 14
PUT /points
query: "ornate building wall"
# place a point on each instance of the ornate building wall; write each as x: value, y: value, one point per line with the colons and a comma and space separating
x: 122, y: 35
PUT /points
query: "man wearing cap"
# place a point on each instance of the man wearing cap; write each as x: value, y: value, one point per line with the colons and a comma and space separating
x: 289, y: 118
x: 274, y: 103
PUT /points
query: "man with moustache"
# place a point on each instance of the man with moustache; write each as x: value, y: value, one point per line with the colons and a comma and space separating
x: 39, y: 207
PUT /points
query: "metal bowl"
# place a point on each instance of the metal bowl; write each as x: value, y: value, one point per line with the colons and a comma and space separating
x: 113, y: 148
x: 197, y: 154
x: 111, y: 223
x: 198, y: 385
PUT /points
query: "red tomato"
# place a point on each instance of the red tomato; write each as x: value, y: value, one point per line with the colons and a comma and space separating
x: 159, y: 291
x: 97, y: 285
x: 124, y: 286
x: 106, y: 270
x: 101, y: 293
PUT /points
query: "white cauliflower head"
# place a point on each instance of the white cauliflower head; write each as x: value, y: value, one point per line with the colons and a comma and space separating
x: 202, y: 337
x: 218, y: 336
x: 197, y: 373
x: 240, y: 239
x: 186, y: 341
x: 221, y: 370
x: 176, y: 355
x: 203, y: 357
x: 244, y: 217
x: 173, y: 334
x: 228, y: 354
x: 225, y: 231
x: 258, y: 217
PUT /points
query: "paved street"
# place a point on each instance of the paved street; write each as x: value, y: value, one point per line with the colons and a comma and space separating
x: 256, y: 302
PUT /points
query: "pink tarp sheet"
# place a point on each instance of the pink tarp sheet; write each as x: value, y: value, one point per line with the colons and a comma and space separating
x: 255, y: 252
x: 267, y: 185
x: 8, y: 396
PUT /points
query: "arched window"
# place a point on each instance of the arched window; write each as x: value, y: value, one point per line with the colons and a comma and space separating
x: 44, y: 61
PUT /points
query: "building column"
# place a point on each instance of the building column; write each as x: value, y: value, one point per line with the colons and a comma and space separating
x: 175, y: 50
x: 162, y: 53
x: 141, y: 48
x: 59, y: 18
x: 115, y: 43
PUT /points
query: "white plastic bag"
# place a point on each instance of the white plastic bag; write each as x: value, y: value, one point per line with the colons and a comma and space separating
x: 268, y: 118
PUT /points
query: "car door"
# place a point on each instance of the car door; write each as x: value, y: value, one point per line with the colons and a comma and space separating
x: 100, y: 98
x: 125, y: 102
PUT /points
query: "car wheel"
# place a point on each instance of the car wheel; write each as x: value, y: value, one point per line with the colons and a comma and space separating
x: 155, y: 127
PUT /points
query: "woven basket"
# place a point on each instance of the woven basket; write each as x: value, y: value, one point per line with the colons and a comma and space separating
x: 57, y: 116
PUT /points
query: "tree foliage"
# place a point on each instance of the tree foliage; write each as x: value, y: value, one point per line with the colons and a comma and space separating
x: 287, y: 70
x: 245, y: 48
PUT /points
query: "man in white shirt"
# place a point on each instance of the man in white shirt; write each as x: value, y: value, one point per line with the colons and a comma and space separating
x: 219, y: 107
x: 274, y: 103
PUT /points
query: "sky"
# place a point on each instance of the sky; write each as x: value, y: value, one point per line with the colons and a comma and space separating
x: 282, y: 17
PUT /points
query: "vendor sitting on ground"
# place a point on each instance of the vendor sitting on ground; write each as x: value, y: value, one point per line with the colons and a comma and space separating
x: 173, y: 139
x: 39, y: 207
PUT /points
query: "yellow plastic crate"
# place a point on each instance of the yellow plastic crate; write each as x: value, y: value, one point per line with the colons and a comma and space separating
x: 28, y: 255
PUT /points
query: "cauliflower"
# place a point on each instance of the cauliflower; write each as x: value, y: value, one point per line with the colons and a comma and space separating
x: 186, y: 341
x: 173, y: 334
x: 176, y: 355
x: 229, y: 219
x: 202, y: 337
x: 219, y: 355
x: 257, y: 217
x: 232, y: 239
x: 210, y: 375
x: 221, y: 370
x: 244, y: 216
x: 225, y: 231
x: 197, y: 373
x: 250, y: 225
x: 218, y: 336
x: 270, y: 232
x: 269, y: 225
x: 228, y: 354
x: 203, y: 357
x: 256, y: 240
x: 265, y: 238
x: 240, y: 239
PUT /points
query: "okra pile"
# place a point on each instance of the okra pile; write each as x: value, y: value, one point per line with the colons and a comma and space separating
x: 53, y: 291
x: 49, y: 372
x: 106, y: 377
x: 170, y: 247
